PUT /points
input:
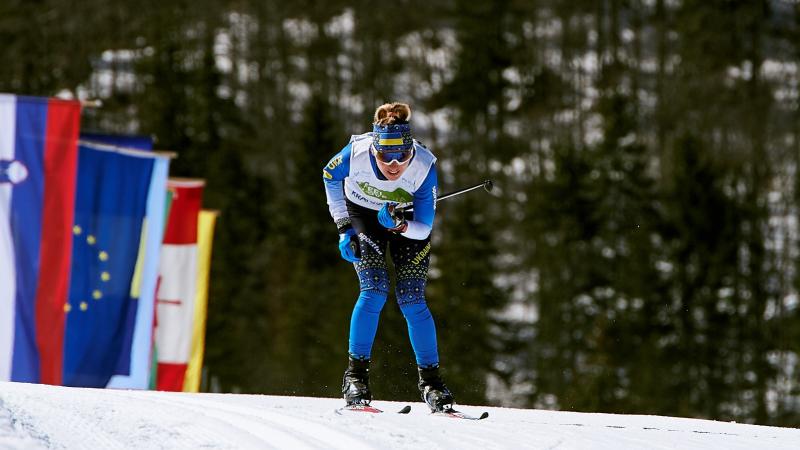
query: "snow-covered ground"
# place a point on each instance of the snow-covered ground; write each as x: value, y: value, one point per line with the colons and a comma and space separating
x: 37, y: 416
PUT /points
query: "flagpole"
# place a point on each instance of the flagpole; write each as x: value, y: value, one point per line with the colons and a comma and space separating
x: 93, y: 103
x: 166, y: 154
x: 187, y: 182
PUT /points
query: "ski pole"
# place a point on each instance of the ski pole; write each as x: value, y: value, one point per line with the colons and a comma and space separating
x: 408, y: 207
x: 488, y: 185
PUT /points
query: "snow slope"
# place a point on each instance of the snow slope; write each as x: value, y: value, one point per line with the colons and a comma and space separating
x: 38, y: 416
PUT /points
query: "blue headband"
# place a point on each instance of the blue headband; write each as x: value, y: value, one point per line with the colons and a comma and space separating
x: 392, y: 137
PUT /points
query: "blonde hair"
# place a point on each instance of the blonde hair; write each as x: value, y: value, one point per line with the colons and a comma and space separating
x: 392, y: 113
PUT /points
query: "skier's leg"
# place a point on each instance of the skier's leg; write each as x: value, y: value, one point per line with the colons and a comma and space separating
x: 411, y: 259
x: 373, y: 278
x: 366, y: 313
x: 421, y: 332
x: 363, y: 325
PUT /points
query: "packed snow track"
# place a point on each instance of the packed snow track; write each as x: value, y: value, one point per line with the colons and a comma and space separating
x: 38, y: 416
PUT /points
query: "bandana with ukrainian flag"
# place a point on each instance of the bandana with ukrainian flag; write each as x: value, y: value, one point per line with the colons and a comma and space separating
x: 392, y: 137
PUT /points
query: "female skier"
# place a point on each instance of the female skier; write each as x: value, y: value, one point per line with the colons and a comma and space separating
x: 364, y: 182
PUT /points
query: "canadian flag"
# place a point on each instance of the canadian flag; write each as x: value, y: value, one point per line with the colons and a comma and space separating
x: 177, y: 289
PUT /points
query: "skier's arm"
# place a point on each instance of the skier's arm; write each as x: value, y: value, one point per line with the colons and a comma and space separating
x: 333, y: 175
x: 424, y: 208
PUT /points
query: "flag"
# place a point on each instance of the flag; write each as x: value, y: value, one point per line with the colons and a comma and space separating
x: 205, y: 239
x: 154, y: 356
x: 38, y: 153
x: 135, y: 363
x: 177, y: 288
x: 134, y: 369
x: 110, y: 205
x: 119, y: 140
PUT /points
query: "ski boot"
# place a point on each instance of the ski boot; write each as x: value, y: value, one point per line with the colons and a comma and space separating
x: 355, y: 385
x: 434, y: 392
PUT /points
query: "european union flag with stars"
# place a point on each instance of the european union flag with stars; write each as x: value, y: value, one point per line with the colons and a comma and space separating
x: 110, y: 206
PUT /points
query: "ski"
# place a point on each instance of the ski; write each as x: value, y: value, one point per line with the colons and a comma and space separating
x: 453, y: 414
x: 369, y: 409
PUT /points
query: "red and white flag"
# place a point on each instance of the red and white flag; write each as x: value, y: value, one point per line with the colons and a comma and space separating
x: 177, y: 290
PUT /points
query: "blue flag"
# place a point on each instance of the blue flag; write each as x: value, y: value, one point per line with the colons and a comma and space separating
x: 134, y: 368
x: 110, y: 207
x: 119, y: 140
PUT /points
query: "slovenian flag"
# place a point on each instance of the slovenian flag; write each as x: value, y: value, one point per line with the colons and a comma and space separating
x: 38, y: 153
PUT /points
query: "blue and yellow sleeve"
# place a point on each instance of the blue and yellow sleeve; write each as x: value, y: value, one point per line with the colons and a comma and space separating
x: 333, y: 175
x: 424, y: 207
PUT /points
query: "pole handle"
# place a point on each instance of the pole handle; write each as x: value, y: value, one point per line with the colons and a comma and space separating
x: 355, y: 248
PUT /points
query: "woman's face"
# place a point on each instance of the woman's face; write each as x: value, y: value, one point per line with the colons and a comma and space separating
x: 398, y: 163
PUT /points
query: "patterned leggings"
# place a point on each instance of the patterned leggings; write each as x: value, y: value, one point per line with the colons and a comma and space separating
x: 411, y: 259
